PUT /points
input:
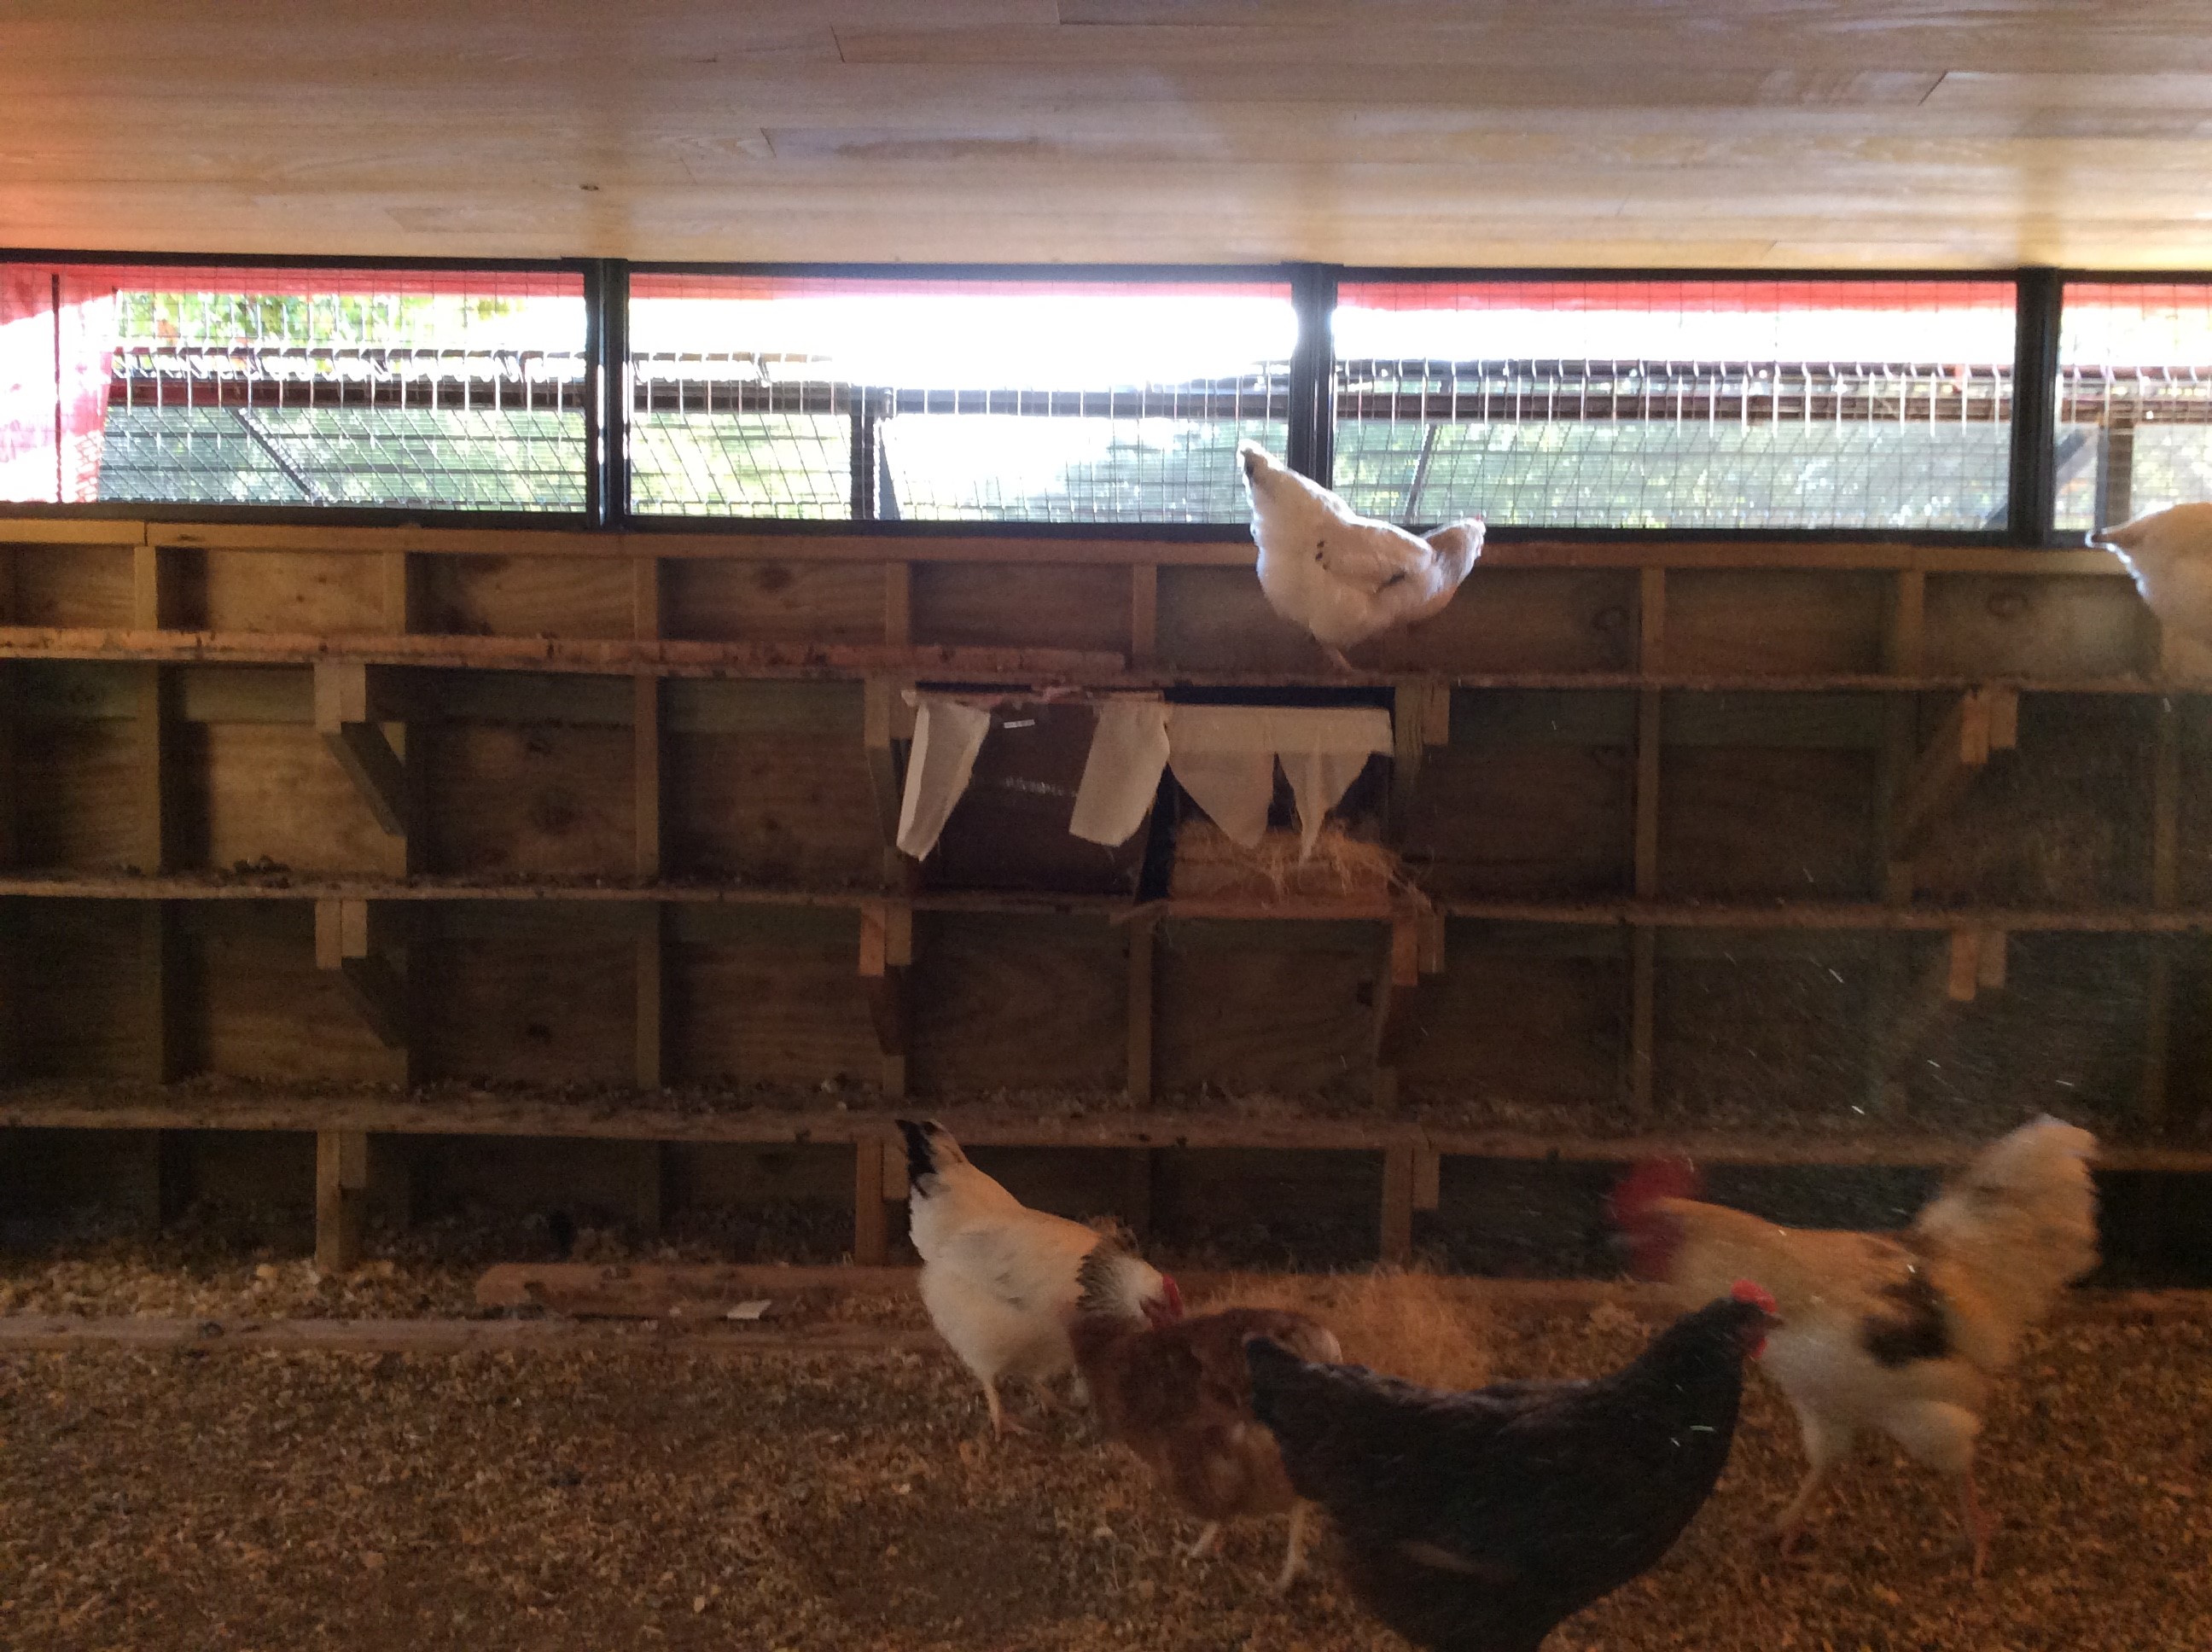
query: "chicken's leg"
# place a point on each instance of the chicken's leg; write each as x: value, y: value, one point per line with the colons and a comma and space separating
x: 1336, y: 659
x: 1001, y: 1425
x: 1825, y: 1446
x: 1202, y: 1543
x: 1294, y: 1559
x: 1977, y: 1522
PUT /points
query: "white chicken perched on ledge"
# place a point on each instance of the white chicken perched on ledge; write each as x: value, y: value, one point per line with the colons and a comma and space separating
x: 2169, y: 553
x: 1343, y: 576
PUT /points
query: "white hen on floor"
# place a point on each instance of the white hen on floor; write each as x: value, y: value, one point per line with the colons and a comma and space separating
x: 2169, y: 552
x: 998, y: 1278
x: 1343, y: 576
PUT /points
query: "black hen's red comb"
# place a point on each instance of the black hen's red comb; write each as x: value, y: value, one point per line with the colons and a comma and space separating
x: 1756, y: 1294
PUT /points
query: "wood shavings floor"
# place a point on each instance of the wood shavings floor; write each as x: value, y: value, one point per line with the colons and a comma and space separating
x: 619, y: 1499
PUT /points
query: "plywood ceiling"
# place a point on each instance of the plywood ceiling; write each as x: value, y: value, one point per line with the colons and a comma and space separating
x: 1737, y: 132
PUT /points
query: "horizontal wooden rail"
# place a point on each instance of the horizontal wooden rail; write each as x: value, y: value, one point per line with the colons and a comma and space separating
x: 1017, y: 666
x: 1625, y: 913
x: 742, y: 541
x: 631, y: 1116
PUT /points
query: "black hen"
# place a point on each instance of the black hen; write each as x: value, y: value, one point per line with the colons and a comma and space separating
x: 1475, y: 1522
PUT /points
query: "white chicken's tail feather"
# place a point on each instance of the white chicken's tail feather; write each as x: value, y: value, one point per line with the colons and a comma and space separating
x: 2016, y: 1228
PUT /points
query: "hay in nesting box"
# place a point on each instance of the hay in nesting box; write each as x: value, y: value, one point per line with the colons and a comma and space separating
x: 1209, y: 865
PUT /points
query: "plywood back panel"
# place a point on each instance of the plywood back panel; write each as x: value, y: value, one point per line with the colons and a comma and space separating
x: 795, y: 601
x: 1762, y: 821
x: 1512, y: 1020
x: 1747, y: 1023
x: 2065, y: 820
x: 542, y: 995
x: 542, y: 797
x: 771, y: 997
x: 1739, y: 622
x: 1265, y: 1006
x: 68, y: 584
x: 982, y: 603
x: 259, y: 1008
x: 300, y: 592
x: 78, y: 756
x: 527, y: 596
x: 769, y: 782
x: 1216, y: 619
x: 270, y: 796
x: 78, y: 975
x: 1017, y: 1003
x: 1987, y: 624
x: 1521, y: 619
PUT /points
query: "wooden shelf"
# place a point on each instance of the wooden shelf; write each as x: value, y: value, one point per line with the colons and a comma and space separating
x: 800, y: 1116
x: 1636, y: 914
x: 1008, y: 666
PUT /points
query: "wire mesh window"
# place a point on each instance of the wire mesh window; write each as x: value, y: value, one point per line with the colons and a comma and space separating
x: 460, y: 390
x: 1676, y: 404
x: 2135, y: 399
x: 974, y: 400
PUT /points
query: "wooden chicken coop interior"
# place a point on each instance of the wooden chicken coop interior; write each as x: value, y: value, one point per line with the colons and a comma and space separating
x: 382, y: 857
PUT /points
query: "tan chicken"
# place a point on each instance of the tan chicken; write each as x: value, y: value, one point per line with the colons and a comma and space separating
x: 1177, y: 1392
x: 998, y: 1278
x: 1342, y: 576
x: 1900, y: 1333
x: 2169, y: 553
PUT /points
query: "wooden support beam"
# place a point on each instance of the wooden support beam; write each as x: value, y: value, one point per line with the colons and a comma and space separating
x: 1420, y: 718
x: 360, y: 744
x: 1396, y: 1007
x: 341, y: 1199
x: 1141, y: 931
x: 1642, y: 1017
x: 153, y: 588
x: 2154, y: 1103
x: 160, y: 972
x: 1645, y: 847
x: 398, y: 575
x: 1428, y: 1179
x: 870, y: 1229
x: 645, y: 725
x: 886, y: 952
x: 152, y: 778
x: 898, y: 605
x: 652, y: 1007
x: 878, y: 720
x: 1144, y: 615
x: 1906, y: 644
x: 1980, y: 724
x: 151, y: 1175
x: 343, y: 946
x: 1399, y: 1176
x: 645, y: 599
x: 1136, y: 1190
x: 648, y: 1184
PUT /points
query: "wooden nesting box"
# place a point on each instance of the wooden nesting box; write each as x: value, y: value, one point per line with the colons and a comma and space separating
x: 1009, y: 830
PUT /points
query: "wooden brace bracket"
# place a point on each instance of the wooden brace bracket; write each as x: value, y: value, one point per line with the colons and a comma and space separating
x: 359, y: 744
x: 341, y: 1198
x: 1981, y: 724
x: 342, y: 945
x: 886, y: 950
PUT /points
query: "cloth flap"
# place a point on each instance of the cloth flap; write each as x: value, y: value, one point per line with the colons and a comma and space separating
x: 947, y: 735
x: 1122, y: 775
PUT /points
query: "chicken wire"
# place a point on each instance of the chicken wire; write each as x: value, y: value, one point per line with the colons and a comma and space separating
x: 1657, y: 404
x: 2135, y: 400
x: 973, y: 401
x: 438, y: 394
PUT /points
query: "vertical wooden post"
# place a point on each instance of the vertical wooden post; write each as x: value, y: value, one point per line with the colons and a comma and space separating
x: 651, y: 1004
x: 2165, y: 892
x: 645, y: 724
x: 10, y: 809
x: 159, y: 972
x: 396, y: 572
x: 1138, y: 1072
x: 871, y: 1223
x: 886, y: 951
x: 1136, y: 1190
x: 1421, y: 717
x: 1144, y: 615
x: 1642, y: 1018
x: 647, y: 1184
x: 1398, y: 1180
x: 898, y: 605
x: 1400, y: 981
x: 341, y: 1198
